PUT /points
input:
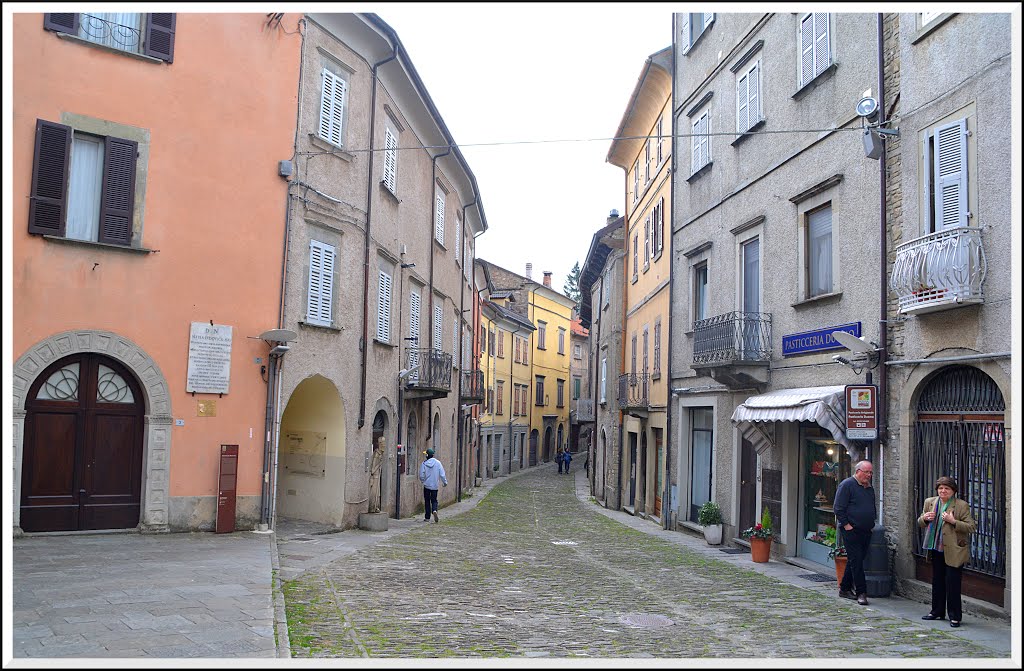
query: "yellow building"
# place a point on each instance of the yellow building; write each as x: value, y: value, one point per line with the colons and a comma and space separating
x: 643, y: 151
x: 551, y: 314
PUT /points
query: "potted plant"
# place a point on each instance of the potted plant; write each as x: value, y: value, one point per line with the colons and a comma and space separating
x: 709, y: 516
x: 837, y: 553
x: 760, y: 536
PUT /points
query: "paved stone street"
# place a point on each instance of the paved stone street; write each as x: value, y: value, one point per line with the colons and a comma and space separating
x: 532, y: 570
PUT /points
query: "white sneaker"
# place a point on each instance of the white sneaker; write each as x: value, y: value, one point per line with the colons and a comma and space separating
x: 435, y: 517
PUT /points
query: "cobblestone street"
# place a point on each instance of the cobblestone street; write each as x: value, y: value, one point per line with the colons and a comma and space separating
x: 534, y: 571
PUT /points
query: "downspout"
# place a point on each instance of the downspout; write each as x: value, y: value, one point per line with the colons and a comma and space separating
x: 462, y: 308
x: 667, y: 518
x: 364, y: 344
x: 883, y: 319
x: 430, y: 243
x: 512, y: 384
x: 593, y: 452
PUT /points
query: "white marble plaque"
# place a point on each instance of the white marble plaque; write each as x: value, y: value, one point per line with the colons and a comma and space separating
x: 209, y: 358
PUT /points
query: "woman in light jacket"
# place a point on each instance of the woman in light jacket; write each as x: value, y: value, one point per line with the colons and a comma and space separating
x: 947, y: 521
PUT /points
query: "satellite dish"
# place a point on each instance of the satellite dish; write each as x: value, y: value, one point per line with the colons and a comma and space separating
x: 852, y: 342
x: 279, y: 335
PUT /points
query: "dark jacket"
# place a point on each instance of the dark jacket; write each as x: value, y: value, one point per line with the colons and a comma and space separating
x: 855, y: 505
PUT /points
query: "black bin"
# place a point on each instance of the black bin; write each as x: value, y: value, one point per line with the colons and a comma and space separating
x: 876, y: 564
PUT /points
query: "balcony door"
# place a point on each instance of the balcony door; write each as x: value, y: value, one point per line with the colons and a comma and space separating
x: 751, y: 298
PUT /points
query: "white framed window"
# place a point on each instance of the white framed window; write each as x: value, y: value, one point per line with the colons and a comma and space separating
x: 439, y: 213
x: 561, y: 340
x: 636, y: 181
x: 647, y: 161
x: 647, y: 242
x: 700, y: 291
x: 700, y: 142
x: 819, y: 251
x: 333, y: 94
x: 815, y: 46
x: 384, y: 306
x: 928, y: 17
x: 604, y: 379
x: 636, y: 255
x: 438, y: 317
x: 692, y: 27
x: 320, y: 296
x: 750, y: 269
x: 748, y: 97
x: 658, y: 226
x: 390, y: 159
x: 661, y: 137
x: 947, y: 148
x: 577, y: 351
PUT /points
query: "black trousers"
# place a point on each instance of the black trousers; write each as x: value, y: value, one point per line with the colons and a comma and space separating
x: 857, y: 542
x: 429, y: 502
x: 946, y: 588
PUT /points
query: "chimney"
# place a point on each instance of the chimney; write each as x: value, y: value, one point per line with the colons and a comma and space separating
x: 529, y: 271
x: 547, y: 278
x: 612, y: 216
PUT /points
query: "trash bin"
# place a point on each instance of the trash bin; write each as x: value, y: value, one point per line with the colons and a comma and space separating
x: 876, y: 564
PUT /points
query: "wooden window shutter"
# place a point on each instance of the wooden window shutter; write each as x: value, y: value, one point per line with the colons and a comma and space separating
x: 390, y: 159
x: 821, y: 46
x: 501, y: 343
x: 321, y: 283
x: 742, y: 100
x: 806, y: 48
x: 438, y: 314
x: 61, y: 23
x: 951, y: 175
x: 384, y: 307
x: 117, y: 203
x: 695, y: 145
x: 47, y: 211
x: 160, y: 36
x: 332, y: 107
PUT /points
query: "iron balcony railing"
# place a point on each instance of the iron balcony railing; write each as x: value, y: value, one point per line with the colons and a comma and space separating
x: 434, y: 372
x: 473, y: 385
x: 109, y: 33
x: 634, y: 390
x: 733, y: 337
x: 939, y: 271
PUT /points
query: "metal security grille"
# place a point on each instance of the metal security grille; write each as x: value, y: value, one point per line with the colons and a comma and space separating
x: 959, y: 432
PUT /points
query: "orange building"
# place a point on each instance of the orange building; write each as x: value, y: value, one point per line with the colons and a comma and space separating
x: 149, y: 218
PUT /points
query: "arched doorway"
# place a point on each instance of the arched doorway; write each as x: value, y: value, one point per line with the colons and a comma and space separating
x: 533, y: 447
x: 82, y: 459
x: 959, y: 432
x: 560, y: 438
x: 548, y: 447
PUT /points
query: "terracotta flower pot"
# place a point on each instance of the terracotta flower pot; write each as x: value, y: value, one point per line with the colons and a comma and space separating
x: 840, y: 568
x: 760, y: 549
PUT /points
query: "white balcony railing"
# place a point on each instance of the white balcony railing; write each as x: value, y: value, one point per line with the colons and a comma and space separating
x: 939, y: 271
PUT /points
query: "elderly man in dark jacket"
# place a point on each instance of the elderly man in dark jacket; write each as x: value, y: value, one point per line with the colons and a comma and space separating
x: 856, y: 513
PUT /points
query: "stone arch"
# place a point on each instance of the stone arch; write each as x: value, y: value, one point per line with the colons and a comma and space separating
x: 158, y: 420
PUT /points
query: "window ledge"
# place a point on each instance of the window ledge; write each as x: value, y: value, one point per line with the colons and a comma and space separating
x: 704, y: 169
x: 658, y: 255
x: 388, y: 192
x: 333, y: 149
x: 747, y: 133
x: 927, y: 30
x: 634, y: 280
x: 336, y: 329
x: 688, y: 331
x: 836, y: 295
x: 440, y: 244
x: 383, y: 343
x: 656, y: 376
x: 647, y: 266
x: 102, y: 47
x: 821, y: 76
x: 102, y: 245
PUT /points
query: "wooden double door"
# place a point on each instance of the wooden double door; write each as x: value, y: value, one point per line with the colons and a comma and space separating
x: 82, y: 458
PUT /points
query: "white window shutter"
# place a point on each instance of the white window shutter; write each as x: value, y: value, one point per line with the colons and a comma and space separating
x: 684, y: 37
x: 821, y: 46
x: 647, y: 239
x: 384, y: 307
x: 332, y: 107
x: 438, y: 312
x: 754, y: 95
x: 321, y: 283
x: 390, y: 159
x: 439, y: 216
x: 695, y: 144
x: 708, y: 18
x: 951, y: 175
x: 414, y: 333
x: 458, y: 240
x: 741, y: 104
x: 806, y: 48
x: 604, y: 379
x: 455, y: 341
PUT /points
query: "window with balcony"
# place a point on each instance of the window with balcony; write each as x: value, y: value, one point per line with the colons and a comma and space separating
x: 700, y: 292
x: 132, y: 32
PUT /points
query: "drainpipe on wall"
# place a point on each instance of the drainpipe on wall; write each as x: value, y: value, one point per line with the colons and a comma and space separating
x: 364, y: 344
x: 592, y: 450
x: 667, y: 518
x: 460, y: 436
x: 883, y: 322
x: 430, y: 308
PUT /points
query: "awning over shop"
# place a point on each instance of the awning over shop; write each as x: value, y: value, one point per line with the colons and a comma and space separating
x: 825, y: 406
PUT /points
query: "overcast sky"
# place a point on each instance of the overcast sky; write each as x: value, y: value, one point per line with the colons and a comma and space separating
x: 515, y: 73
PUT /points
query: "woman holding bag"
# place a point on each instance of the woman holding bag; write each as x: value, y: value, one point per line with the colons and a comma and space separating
x: 947, y: 521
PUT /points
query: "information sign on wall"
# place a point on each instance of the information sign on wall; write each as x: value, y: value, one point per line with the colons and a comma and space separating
x: 861, y: 411
x: 209, y: 358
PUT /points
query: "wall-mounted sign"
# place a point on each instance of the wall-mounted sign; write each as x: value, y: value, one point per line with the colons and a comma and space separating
x: 209, y: 358
x: 816, y: 341
x: 862, y: 411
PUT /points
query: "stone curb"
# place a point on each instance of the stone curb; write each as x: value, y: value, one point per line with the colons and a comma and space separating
x: 284, y: 648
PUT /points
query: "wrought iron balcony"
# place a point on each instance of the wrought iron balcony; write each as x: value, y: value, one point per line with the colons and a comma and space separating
x: 733, y: 337
x: 102, y: 30
x: 634, y: 391
x: 939, y: 271
x: 433, y: 375
x: 472, y: 385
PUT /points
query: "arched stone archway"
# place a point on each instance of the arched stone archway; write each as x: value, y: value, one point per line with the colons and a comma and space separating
x: 157, y: 418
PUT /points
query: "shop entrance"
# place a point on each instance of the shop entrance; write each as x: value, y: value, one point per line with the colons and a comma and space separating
x: 824, y: 463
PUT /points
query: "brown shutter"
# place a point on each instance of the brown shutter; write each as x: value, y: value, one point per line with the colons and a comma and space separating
x: 61, y: 23
x: 160, y: 36
x: 49, y: 200
x: 118, y: 200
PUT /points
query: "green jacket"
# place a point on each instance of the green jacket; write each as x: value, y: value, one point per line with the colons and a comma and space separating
x: 954, y: 536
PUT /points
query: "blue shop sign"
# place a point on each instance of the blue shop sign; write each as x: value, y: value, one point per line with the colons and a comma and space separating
x: 815, y: 341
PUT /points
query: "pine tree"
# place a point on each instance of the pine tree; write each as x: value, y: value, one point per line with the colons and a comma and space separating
x: 571, y: 288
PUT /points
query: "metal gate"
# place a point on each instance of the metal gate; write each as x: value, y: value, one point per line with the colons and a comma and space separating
x: 959, y: 432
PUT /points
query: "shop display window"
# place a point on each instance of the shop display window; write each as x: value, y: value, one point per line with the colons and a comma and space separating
x: 826, y: 464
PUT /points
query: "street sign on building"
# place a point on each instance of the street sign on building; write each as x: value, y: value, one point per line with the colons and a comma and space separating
x: 862, y: 411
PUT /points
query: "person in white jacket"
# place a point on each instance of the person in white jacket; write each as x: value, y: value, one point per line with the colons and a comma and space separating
x: 431, y: 471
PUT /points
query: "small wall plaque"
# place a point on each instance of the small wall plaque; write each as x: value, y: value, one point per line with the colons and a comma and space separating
x: 206, y: 408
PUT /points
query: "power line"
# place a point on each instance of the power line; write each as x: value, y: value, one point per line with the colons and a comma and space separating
x: 592, y: 139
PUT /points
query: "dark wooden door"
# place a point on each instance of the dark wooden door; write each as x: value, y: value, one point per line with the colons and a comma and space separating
x: 82, y: 460
x: 659, y: 482
x: 533, y: 447
x: 632, y: 470
x: 748, y: 484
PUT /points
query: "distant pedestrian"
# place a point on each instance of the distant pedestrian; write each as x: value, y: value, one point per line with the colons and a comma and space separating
x: 567, y: 458
x: 560, y: 459
x: 431, y: 471
x: 855, y: 510
x: 948, y: 523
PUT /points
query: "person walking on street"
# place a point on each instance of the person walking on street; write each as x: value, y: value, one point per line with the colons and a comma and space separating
x: 566, y: 457
x: 560, y: 458
x: 431, y: 471
x: 855, y: 513
x: 948, y: 522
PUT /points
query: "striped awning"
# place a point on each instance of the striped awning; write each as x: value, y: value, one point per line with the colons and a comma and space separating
x: 825, y: 406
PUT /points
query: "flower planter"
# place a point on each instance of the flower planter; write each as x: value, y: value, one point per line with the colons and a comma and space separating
x: 840, y: 568
x: 760, y: 549
x: 713, y: 534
